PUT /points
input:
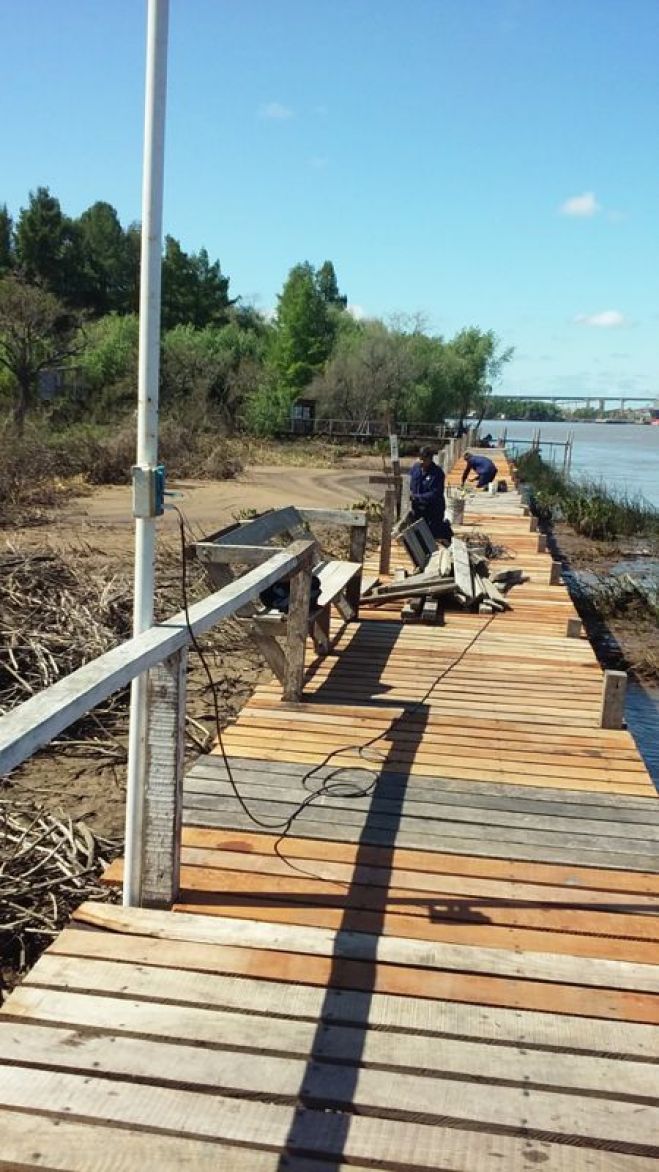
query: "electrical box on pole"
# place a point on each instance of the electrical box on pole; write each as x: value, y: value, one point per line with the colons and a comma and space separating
x: 148, y: 491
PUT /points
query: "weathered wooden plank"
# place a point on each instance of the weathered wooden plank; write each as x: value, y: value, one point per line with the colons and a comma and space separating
x: 163, y: 782
x: 360, y: 946
x: 167, y: 1115
x: 309, y: 824
x: 63, y: 1145
x: 221, y: 1065
x: 296, y: 632
x: 275, y: 999
x: 462, y: 570
x: 614, y: 690
x: 544, y: 1113
x: 626, y: 839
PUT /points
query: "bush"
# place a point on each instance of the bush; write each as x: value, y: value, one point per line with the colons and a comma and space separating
x: 589, y: 507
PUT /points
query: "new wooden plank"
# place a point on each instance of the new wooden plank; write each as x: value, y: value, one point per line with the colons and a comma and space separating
x: 405, y: 1146
x: 139, y: 983
x: 359, y: 946
x: 579, y: 879
x: 592, y: 911
x: 473, y: 930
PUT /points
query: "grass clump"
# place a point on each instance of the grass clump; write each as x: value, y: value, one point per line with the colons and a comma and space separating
x: 588, y: 506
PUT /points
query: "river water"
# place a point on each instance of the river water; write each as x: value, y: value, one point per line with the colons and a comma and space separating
x: 626, y: 458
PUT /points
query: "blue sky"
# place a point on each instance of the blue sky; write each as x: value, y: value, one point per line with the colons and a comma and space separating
x: 488, y: 162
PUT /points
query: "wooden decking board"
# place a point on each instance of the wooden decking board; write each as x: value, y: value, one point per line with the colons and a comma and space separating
x: 458, y: 970
x: 313, y: 825
x: 505, y: 825
x: 441, y: 791
x: 578, y: 879
x: 279, y: 1079
x: 49, y: 1016
x: 123, y: 981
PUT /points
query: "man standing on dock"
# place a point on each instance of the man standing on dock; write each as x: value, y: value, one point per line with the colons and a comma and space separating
x: 484, y: 468
x: 427, y: 494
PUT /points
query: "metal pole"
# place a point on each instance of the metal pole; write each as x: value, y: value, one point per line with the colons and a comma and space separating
x: 147, y: 417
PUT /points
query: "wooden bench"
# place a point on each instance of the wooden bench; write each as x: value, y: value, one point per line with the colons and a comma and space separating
x: 249, y: 543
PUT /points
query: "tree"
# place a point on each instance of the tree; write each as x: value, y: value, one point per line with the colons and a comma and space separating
x: 194, y: 291
x: 105, y: 277
x: 371, y: 375
x: 474, y: 362
x: 36, y: 332
x: 6, y: 240
x: 302, y: 339
x: 47, y: 246
x: 328, y: 286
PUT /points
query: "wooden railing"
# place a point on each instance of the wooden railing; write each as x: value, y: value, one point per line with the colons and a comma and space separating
x: 162, y: 653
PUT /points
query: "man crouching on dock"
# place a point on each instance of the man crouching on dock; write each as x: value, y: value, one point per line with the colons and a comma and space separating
x: 483, y: 468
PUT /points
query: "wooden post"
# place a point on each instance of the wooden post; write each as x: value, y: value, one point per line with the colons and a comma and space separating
x: 542, y: 543
x: 614, y: 688
x: 574, y: 628
x: 297, y: 629
x: 533, y: 525
x: 388, y: 517
x: 357, y: 554
x: 395, y: 468
x: 163, y: 783
x: 555, y: 574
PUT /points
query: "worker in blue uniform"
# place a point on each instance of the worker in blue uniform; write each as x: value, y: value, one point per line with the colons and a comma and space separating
x: 427, y: 494
x: 483, y: 468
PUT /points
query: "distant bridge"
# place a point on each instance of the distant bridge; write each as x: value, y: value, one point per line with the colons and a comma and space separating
x: 588, y: 400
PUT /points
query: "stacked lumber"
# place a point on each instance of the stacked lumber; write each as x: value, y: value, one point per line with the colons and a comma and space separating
x: 454, y: 574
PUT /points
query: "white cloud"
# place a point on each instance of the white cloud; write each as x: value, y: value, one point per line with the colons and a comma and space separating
x: 356, y: 311
x: 608, y: 319
x: 275, y: 110
x: 580, y: 205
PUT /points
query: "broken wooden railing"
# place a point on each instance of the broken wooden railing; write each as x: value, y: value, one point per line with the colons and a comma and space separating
x: 161, y: 652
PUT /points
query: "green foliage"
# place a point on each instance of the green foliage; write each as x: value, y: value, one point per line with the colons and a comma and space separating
x: 47, y: 245
x: 303, y: 332
x: 108, y: 363
x: 589, y: 507
x: 36, y: 332
x: 6, y: 240
x: 474, y: 362
x: 107, y: 262
x: 328, y: 286
x: 211, y: 368
x: 514, y: 408
x: 194, y: 292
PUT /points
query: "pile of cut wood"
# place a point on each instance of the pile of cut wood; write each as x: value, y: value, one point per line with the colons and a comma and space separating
x: 456, y: 574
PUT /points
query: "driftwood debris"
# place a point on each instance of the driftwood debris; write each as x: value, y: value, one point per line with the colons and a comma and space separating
x: 48, y: 865
x: 458, y: 574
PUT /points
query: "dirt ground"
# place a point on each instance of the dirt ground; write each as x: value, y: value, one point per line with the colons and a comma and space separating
x: 87, y: 782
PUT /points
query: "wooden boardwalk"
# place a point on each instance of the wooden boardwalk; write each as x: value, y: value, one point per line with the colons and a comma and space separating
x: 449, y: 961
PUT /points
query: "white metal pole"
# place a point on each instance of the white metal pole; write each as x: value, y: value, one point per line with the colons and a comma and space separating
x: 147, y: 416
